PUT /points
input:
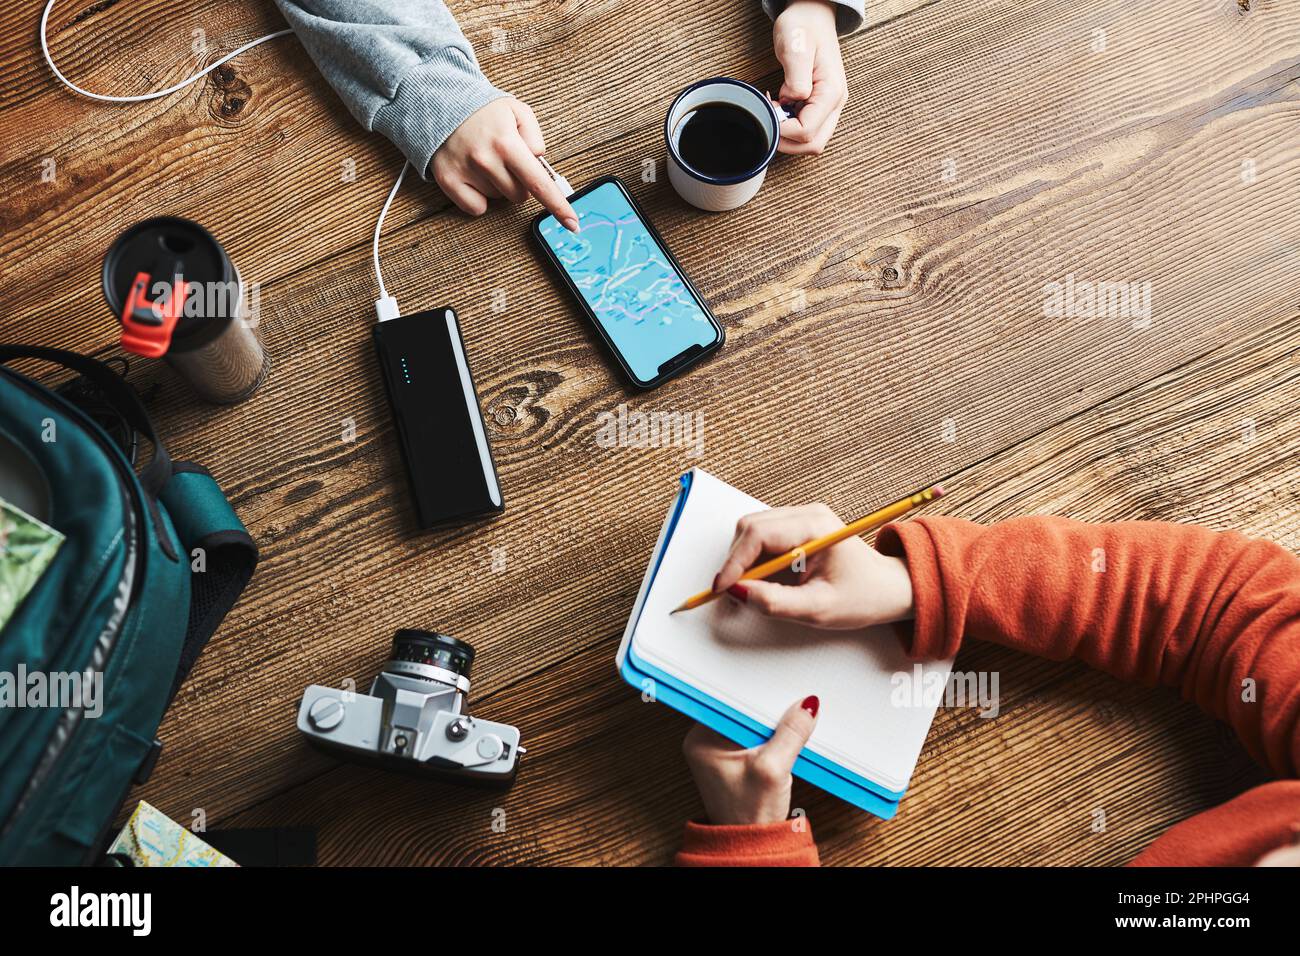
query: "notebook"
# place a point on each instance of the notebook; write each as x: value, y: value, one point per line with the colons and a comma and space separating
x: 731, y: 668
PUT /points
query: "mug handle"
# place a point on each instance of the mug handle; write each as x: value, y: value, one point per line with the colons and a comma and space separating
x: 781, y: 112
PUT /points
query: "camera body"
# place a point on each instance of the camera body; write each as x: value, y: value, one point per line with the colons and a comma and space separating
x: 414, y: 720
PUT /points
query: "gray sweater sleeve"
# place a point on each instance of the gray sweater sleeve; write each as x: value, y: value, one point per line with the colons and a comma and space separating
x: 402, y: 67
x: 849, y: 14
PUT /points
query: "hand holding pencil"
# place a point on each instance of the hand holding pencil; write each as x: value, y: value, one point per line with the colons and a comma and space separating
x: 844, y: 583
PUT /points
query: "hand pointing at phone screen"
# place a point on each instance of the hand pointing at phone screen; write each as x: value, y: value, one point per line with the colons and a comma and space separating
x: 493, y: 155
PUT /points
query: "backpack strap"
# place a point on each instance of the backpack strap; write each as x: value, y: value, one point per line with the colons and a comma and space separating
x: 221, y: 553
x: 116, y: 390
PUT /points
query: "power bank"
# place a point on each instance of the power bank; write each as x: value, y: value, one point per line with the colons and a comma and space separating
x: 439, y: 424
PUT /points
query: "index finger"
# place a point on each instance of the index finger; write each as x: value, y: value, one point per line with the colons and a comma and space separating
x: 525, y: 167
x: 771, y: 532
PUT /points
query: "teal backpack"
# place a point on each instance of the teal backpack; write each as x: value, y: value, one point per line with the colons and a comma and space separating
x: 148, y: 567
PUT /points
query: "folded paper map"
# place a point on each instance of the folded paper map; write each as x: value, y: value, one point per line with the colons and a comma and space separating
x: 27, y: 547
x: 152, y: 839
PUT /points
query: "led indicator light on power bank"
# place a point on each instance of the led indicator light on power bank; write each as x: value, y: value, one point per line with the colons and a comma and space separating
x: 406, y: 372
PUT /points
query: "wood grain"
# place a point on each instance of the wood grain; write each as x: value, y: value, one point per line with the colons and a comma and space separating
x: 886, y: 298
x: 1140, y: 755
x: 271, y: 138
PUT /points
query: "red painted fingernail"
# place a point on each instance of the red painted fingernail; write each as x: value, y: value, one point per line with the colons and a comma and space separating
x: 739, y: 592
x: 716, y: 578
x: 811, y: 704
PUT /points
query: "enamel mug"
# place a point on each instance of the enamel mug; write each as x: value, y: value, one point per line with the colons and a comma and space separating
x: 713, y: 193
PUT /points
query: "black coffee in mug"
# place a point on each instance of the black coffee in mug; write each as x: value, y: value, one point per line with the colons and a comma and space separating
x: 721, y: 140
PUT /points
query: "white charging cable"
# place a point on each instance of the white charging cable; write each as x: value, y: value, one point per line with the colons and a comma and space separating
x: 139, y: 98
x: 386, y: 306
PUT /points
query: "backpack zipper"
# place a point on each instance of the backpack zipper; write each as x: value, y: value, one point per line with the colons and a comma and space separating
x: 128, y: 587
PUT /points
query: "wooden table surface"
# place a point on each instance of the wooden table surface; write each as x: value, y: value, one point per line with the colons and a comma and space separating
x: 884, y: 307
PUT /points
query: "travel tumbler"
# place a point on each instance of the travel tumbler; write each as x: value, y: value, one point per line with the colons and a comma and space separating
x: 180, y: 298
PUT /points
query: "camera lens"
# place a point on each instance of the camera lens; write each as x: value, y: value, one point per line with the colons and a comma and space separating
x: 437, y: 650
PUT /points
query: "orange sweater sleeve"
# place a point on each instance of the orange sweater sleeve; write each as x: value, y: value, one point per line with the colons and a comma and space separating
x: 785, y: 843
x: 1215, y: 616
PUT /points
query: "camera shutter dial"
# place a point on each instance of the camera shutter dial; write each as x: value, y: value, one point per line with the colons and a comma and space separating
x: 326, y: 713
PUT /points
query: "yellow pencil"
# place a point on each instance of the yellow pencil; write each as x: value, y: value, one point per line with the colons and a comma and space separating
x: 873, y: 520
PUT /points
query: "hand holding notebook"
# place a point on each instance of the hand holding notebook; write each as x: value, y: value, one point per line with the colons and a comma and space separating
x: 749, y: 786
x: 736, y: 670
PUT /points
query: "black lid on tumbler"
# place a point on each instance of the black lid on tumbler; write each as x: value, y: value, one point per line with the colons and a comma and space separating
x: 157, y: 245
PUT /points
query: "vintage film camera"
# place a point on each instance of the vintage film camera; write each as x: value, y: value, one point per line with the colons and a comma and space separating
x: 413, y: 720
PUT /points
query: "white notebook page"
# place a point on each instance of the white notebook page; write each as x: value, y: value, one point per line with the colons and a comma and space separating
x: 760, y: 666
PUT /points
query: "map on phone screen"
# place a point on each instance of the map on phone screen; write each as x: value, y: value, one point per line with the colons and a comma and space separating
x: 627, y: 280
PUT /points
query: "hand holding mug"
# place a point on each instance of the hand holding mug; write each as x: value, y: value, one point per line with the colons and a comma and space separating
x: 807, y: 45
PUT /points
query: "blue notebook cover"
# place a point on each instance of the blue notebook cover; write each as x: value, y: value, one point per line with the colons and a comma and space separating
x: 733, y: 726
x: 656, y: 683
x: 872, y: 730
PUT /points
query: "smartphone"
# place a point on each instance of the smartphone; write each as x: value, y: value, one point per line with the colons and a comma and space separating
x: 645, y: 309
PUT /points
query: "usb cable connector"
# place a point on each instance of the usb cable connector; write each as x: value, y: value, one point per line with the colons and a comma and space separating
x: 559, y: 180
x: 386, y: 308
